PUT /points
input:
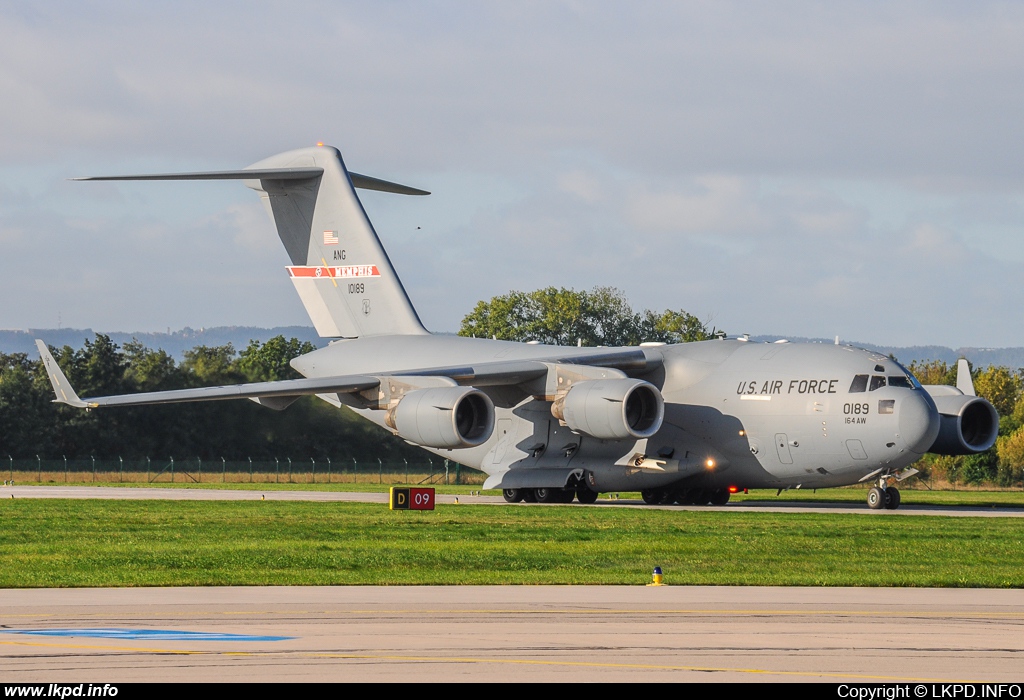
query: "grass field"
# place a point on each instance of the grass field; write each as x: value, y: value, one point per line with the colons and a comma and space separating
x: 149, y: 543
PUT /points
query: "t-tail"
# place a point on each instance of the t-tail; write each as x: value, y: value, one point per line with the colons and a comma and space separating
x: 338, y: 266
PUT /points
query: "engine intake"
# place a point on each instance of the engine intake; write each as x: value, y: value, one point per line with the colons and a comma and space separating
x: 446, y: 417
x: 968, y: 425
x: 611, y: 409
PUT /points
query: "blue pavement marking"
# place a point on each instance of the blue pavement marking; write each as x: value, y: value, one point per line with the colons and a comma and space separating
x: 161, y: 635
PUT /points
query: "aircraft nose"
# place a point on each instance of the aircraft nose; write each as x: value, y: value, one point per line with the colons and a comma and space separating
x: 919, y: 422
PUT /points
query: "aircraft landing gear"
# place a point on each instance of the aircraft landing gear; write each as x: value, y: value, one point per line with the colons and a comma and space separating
x: 585, y: 495
x: 880, y: 497
x: 513, y: 495
x: 652, y: 497
x: 547, y: 495
x: 720, y: 497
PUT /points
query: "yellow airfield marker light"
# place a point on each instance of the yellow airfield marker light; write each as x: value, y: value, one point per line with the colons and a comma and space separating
x: 263, y: 497
x: 456, y: 500
x: 656, y: 577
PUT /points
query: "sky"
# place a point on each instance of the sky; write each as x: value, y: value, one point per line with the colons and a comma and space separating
x: 795, y: 168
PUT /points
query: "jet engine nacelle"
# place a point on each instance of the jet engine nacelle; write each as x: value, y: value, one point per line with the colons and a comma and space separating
x: 968, y: 425
x: 611, y: 409
x: 446, y: 417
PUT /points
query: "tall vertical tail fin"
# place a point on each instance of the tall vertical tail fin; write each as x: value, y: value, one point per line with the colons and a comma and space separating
x: 338, y: 266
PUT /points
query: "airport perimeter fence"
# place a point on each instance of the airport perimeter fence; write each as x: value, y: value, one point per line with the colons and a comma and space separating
x: 225, y: 471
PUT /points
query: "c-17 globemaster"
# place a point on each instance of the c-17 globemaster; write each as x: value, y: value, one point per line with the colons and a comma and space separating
x: 689, y: 423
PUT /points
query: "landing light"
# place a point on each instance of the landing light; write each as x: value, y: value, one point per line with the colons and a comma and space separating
x: 710, y: 464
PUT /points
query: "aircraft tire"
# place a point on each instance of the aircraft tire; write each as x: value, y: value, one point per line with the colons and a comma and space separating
x: 684, y: 497
x: 585, y: 495
x: 701, y: 497
x: 513, y: 495
x: 720, y: 497
x: 892, y: 498
x: 529, y: 495
x: 566, y: 496
x: 876, y: 498
x: 545, y: 495
x: 651, y: 497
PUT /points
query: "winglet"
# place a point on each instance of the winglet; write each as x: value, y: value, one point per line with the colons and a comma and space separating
x: 963, y: 378
x: 61, y: 385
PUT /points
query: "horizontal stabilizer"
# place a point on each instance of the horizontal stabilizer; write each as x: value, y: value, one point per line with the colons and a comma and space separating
x: 364, y: 182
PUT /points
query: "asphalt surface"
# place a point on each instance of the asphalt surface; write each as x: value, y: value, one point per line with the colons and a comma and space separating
x: 209, y: 494
x: 512, y: 634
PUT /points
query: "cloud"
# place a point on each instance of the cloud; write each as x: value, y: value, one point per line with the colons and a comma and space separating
x: 797, y: 167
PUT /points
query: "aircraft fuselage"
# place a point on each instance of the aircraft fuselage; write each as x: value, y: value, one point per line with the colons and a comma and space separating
x: 737, y: 413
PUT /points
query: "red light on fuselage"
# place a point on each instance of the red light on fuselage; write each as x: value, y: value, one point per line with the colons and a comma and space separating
x: 734, y: 489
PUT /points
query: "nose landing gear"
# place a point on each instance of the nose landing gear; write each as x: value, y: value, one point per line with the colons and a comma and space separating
x: 883, y: 496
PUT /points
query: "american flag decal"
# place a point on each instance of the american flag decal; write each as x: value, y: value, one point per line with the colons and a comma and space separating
x: 330, y: 238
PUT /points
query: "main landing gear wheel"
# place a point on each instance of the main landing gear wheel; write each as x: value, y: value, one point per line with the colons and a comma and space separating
x: 585, y: 495
x: 720, y: 497
x: 513, y: 495
x: 529, y: 495
x: 548, y: 495
x: 892, y: 498
x: 876, y: 498
x: 652, y: 496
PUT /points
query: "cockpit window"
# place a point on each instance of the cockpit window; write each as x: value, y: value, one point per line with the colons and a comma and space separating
x: 876, y: 383
x: 901, y: 382
x: 910, y: 377
x: 860, y: 383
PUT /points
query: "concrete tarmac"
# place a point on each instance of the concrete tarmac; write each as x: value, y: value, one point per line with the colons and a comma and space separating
x: 523, y: 633
x: 510, y: 634
x: 211, y: 494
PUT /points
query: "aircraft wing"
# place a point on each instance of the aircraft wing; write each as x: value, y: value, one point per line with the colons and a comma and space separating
x: 279, y: 394
x: 285, y: 389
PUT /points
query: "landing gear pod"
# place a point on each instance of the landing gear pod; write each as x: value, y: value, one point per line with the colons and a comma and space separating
x: 612, y: 409
x: 446, y: 417
x: 969, y: 424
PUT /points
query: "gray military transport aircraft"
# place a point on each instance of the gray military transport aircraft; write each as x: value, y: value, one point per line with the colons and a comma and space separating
x: 688, y: 423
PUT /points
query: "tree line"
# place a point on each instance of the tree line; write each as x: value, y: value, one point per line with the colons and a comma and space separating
x: 31, y: 424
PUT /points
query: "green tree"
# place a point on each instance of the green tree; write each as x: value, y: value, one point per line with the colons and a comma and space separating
x: 560, y: 316
x: 934, y: 372
x: 269, y: 361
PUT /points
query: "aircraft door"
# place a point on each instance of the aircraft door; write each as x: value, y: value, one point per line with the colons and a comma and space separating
x: 782, y: 445
x: 505, y: 437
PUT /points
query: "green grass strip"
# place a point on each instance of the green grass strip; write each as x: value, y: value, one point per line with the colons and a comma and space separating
x: 56, y: 543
